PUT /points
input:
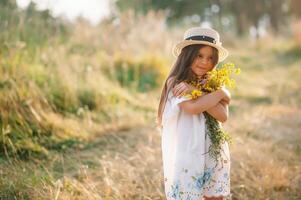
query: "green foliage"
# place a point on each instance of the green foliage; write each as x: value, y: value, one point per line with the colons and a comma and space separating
x: 87, y: 98
x: 21, y: 126
x: 141, y: 74
x: 61, y: 97
x: 177, y: 9
x: 217, y: 136
x: 192, y: 11
x: 31, y: 27
x: 20, y: 179
x: 62, y: 145
x: 290, y: 56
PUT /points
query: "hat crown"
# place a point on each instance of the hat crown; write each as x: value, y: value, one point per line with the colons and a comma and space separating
x: 199, y: 31
x: 199, y: 35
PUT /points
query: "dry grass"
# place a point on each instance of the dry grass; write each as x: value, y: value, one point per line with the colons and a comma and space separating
x: 122, y: 159
x: 127, y: 164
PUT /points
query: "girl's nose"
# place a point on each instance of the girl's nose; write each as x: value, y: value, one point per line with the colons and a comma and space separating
x: 204, y: 61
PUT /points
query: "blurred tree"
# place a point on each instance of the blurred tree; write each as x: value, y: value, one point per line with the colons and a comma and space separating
x: 243, y: 13
x: 30, y: 26
x: 295, y: 7
x: 176, y: 10
x: 275, y: 13
x: 239, y: 9
x: 251, y: 13
x: 8, y: 3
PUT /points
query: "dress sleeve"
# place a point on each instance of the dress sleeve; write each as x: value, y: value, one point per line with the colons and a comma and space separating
x: 172, y: 107
x: 175, y: 101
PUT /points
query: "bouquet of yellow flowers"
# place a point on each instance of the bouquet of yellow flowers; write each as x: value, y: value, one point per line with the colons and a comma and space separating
x: 214, y: 80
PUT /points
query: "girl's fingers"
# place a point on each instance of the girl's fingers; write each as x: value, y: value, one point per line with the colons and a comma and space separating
x: 177, y: 87
x: 182, y: 88
x: 182, y: 91
x: 188, y: 89
x: 224, y: 102
x: 179, y: 90
x: 174, y: 89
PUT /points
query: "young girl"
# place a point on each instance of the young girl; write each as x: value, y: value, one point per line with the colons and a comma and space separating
x: 189, y: 172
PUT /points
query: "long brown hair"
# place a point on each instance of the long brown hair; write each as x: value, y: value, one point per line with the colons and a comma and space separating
x: 181, y: 71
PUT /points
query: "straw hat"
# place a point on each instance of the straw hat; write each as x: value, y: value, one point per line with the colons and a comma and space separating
x: 198, y: 35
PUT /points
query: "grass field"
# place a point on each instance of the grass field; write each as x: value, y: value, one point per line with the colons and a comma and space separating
x: 78, y: 117
x: 125, y: 162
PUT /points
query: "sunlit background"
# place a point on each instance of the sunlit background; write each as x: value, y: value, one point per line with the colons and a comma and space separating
x: 80, y: 83
x: 94, y: 10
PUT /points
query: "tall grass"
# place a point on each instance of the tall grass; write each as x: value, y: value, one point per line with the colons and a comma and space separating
x: 44, y: 81
x: 23, y: 27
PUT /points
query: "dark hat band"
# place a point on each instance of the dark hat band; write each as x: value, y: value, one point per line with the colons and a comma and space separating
x: 202, y: 38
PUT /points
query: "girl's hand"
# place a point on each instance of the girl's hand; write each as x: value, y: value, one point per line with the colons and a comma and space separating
x: 224, y: 102
x: 226, y: 95
x: 182, y: 89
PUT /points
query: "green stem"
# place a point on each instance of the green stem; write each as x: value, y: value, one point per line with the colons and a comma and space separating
x: 217, y: 136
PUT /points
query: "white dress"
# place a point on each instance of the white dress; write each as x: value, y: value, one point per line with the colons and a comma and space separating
x: 189, y: 172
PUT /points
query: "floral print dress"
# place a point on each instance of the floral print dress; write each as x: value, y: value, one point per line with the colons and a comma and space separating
x: 189, y: 172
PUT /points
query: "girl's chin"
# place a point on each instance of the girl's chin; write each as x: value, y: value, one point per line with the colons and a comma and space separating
x: 200, y: 74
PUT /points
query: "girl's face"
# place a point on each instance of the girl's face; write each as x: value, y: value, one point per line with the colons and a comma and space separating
x: 203, y: 61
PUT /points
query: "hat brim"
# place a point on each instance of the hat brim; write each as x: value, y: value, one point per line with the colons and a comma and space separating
x: 222, y: 52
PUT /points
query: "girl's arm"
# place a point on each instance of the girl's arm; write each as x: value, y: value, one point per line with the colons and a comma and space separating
x: 219, y: 111
x: 204, y: 102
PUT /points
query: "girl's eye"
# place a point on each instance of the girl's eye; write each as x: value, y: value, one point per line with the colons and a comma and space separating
x: 200, y: 56
x: 211, y: 58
